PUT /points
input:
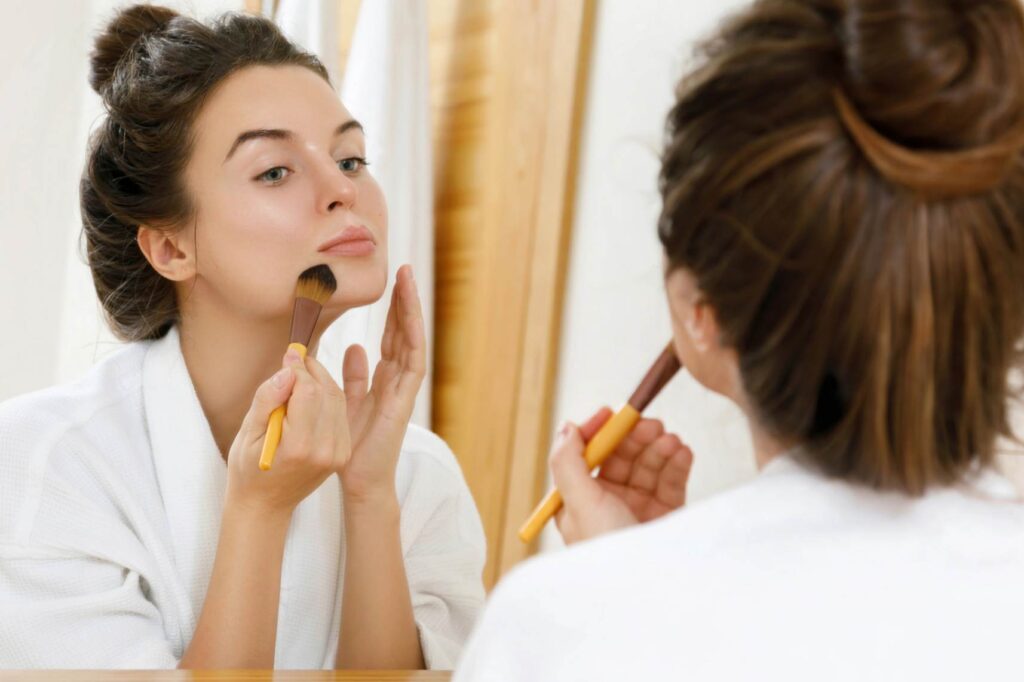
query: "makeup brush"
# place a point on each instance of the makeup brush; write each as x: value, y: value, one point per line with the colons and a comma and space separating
x: 614, y: 431
x: 314, y: 288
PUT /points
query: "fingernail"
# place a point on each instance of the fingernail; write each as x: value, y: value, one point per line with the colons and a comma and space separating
x: 280, y: 378
x: 292, y: 356
x: 563, y: 433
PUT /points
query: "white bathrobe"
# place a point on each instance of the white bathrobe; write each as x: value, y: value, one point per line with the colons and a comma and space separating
x: 790, y: 577
x: 111, y: 491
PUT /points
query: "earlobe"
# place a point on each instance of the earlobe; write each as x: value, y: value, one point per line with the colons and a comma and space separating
x: 702, y: 326
x: 163, y: 251
x: 695, y: 323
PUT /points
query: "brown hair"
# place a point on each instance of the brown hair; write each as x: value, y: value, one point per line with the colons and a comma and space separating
x: 844, y: 180
x: 154, y: 69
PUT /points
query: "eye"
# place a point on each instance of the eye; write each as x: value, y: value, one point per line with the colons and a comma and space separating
x: 352, y: 164
x: 273, y: 176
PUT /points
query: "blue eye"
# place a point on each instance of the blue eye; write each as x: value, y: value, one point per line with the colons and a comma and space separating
x: 273, y: 176
x: 353, y: 164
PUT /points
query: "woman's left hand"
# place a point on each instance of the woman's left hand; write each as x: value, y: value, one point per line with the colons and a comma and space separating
x: 644, y: 478
x: 379, y: 413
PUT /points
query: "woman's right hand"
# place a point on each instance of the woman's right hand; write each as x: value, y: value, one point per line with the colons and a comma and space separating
x: 644, y: 478
x: 314, y: 438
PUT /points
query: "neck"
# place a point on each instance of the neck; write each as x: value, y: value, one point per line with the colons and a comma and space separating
x: 228, y: 357
x: 766, y: 447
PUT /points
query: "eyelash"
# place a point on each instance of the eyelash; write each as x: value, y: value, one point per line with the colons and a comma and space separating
x: 262, y: 177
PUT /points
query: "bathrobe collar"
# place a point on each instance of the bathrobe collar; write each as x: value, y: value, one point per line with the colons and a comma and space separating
x: 191, y: 472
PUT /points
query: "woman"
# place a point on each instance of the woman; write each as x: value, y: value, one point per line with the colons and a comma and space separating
x: 843, y: 229
x: 136, y: 529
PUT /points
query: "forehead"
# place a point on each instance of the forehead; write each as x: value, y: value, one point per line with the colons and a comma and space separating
x: 289, y: 97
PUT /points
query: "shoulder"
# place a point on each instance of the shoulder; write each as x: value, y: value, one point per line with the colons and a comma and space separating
x: 108, y: 384
x: 50, y: 435
x: 424, y: 457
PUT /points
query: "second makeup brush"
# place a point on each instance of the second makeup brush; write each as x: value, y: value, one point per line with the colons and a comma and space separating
x: 614, y: 431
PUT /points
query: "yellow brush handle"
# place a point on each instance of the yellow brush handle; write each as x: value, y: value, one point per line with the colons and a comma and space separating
x: 600, y: 448
x: 275, y: 424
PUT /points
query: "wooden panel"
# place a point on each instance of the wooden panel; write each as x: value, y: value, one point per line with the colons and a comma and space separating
x: 461, y: 75
x: 501, y: 255
x: 564, y: 92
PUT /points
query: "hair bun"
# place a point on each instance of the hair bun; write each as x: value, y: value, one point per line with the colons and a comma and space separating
x: 935, y: 74
x: 933, y: 90
x: 121, y: 34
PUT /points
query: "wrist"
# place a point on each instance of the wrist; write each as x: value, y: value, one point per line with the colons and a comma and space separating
x: 255, y: 512
x: 368, y: 496
x: 375, y: 505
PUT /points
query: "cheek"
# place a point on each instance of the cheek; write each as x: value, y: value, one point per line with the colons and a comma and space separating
x: 373, y: 206
x: 249, y: 250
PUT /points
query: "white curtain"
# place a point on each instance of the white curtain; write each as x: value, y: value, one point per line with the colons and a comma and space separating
x: 386, y: 87
x: 313, y: 24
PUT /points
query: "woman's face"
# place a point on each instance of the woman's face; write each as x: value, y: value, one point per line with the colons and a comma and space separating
x: 279, y: 183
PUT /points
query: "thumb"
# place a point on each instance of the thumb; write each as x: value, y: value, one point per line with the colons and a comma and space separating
x: 569, y: 469
x: 270, y: 395
x: 355, y: 372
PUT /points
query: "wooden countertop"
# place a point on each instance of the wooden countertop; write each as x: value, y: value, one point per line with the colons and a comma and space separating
x: 226, y: 675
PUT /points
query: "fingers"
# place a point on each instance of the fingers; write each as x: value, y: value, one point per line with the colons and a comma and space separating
x: 403, y: 345
x: 590, y: 427
x: 323, y: 377
x: 643, y: 434
x: 303, y: 406
x: 671, y: 490
x: 619, y: 466
x: 355, y: 372
x: 648, y: 465
x: 387, y: 341
x: 270, y: 395
x: 569, y: 469
x: 410, y: 314
x: 331, y: 435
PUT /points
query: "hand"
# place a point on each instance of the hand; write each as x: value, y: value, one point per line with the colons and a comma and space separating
x: 378, y: 415
x: 314, y: 438
x: 644, y: 478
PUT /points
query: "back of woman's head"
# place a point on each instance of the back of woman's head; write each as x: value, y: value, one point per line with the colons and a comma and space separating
x: 154, y: 69
x: 844, y: 179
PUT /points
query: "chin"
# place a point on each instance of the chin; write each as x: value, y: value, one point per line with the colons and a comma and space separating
x: 358, y: 286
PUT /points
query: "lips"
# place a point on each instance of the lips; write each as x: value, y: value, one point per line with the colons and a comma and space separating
x: 354, y: 240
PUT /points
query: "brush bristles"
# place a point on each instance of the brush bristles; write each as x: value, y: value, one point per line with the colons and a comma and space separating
x: 317, y: 284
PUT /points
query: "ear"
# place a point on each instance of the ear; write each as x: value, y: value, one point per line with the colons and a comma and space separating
x: 698, y: 324
x: 170, y: 253
x: 695, y: 315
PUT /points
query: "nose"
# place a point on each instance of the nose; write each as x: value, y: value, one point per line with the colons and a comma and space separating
x: 335, y: 189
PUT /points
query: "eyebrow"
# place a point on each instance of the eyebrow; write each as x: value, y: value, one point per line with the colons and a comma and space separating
x: 281, y: 134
